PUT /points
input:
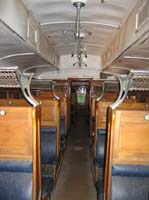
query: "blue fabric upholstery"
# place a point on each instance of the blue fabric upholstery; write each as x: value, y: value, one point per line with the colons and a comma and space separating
x: 47, y: 174
x: 49, y: 157
x: 100, y: 183
x: 100, y: 147
x: 100, y: 160
x: 101, y: 132
x: 51, y: 130
x: 48, y: 146
x: 100, y: 151
x: 62, y: 126
x: 45, y: 187
x: 130, y: 188
x: 130, y: 170
x: 130, y: 182
x: 62, y: 132
x: 15, y: 166
x: 15, y: 180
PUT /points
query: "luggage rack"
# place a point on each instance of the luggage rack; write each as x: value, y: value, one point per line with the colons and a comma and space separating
x: 130, y: 80
x: 140, y: 81
x: 11, y: 77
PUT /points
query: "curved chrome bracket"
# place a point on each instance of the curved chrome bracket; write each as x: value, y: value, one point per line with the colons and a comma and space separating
x: 11, y: 77
x: 125, y: 82
x: 53, y: 91
x: 124, y: 88
x: 130, y: 80
x: 94, y: 95
x: 25, y: 80
x: 66, y: 90
x: 102, y: 93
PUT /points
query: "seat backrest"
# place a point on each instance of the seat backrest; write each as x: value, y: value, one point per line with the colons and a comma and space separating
x: 64, y: 110
x: 127, y: 154
x: 100, y: 121
x: 20, y: 173
x: 50, y: 118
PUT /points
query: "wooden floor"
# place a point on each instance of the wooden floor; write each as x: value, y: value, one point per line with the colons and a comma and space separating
x: 75, y: 181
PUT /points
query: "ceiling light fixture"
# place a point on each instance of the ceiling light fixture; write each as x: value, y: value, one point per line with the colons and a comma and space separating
x: 79, y: 36
x: 78, y: 4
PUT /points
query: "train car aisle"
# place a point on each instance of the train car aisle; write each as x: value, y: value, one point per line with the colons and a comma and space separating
x: 75, y: 181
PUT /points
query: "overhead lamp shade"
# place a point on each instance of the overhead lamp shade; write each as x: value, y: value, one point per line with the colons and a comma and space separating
x: 79, y: 1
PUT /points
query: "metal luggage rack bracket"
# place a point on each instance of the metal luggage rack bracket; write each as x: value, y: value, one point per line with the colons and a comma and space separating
x: 130, y: 80
x: 64, y: 85
x: 103, y: 85
x: 11, y: 77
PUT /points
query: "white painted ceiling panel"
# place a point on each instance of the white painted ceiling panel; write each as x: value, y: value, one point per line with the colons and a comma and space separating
x: 15, y: 52
x: 102, y: 20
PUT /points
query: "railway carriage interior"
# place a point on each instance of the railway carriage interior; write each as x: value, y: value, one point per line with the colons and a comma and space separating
x: 74, y: 100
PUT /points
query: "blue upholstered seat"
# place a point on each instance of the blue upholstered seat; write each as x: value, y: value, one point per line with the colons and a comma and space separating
x: 100, y: 160
x: 130, y: 182
x: 62, y: 132
x: 46, y: 190
x: 51, y: 130
x: 49, y: 156
x: 100, y: 147
x: 16, y: 180
x: 47, y: 174
x: 48, y: 145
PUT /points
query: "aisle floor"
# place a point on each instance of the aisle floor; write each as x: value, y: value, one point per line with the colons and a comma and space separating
x: 75, y: 181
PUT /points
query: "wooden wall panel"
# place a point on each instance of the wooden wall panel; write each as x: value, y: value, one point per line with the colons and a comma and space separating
x: 127, y: 140
x: 131, y: 137
x: 49, y: 113
x: 14, y: 102
x: 101, y: 113
x: 16, y: 133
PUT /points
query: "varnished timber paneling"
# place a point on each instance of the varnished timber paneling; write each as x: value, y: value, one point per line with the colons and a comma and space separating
x: 16, y: 132
x: 127, y: 141
x: 131, y: 137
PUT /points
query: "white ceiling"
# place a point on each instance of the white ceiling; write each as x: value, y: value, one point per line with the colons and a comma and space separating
x: 102, y: 19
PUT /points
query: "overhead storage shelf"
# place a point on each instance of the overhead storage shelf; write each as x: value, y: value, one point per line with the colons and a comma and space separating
x: 22, y: 39
x: 131, y: 41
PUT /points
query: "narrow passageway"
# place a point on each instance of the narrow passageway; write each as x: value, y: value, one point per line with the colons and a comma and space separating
x: 75, y: 181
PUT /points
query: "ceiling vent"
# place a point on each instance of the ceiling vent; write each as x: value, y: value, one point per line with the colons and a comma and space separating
x: 142, y: 16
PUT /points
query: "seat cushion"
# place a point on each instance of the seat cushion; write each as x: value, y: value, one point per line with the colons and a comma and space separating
x: 130, y: 182
x: 62, y: 127
x: 45, y: 187
x: 130, y: 188
x: 130, y: 170
x: 15, y: 166
x: 48, y: 147
x: 101, y: 132
x: 15, y: 180
x: 48, y: 174
x: 100, y: 150
x: 100, y: 183
x: 51, y: 130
